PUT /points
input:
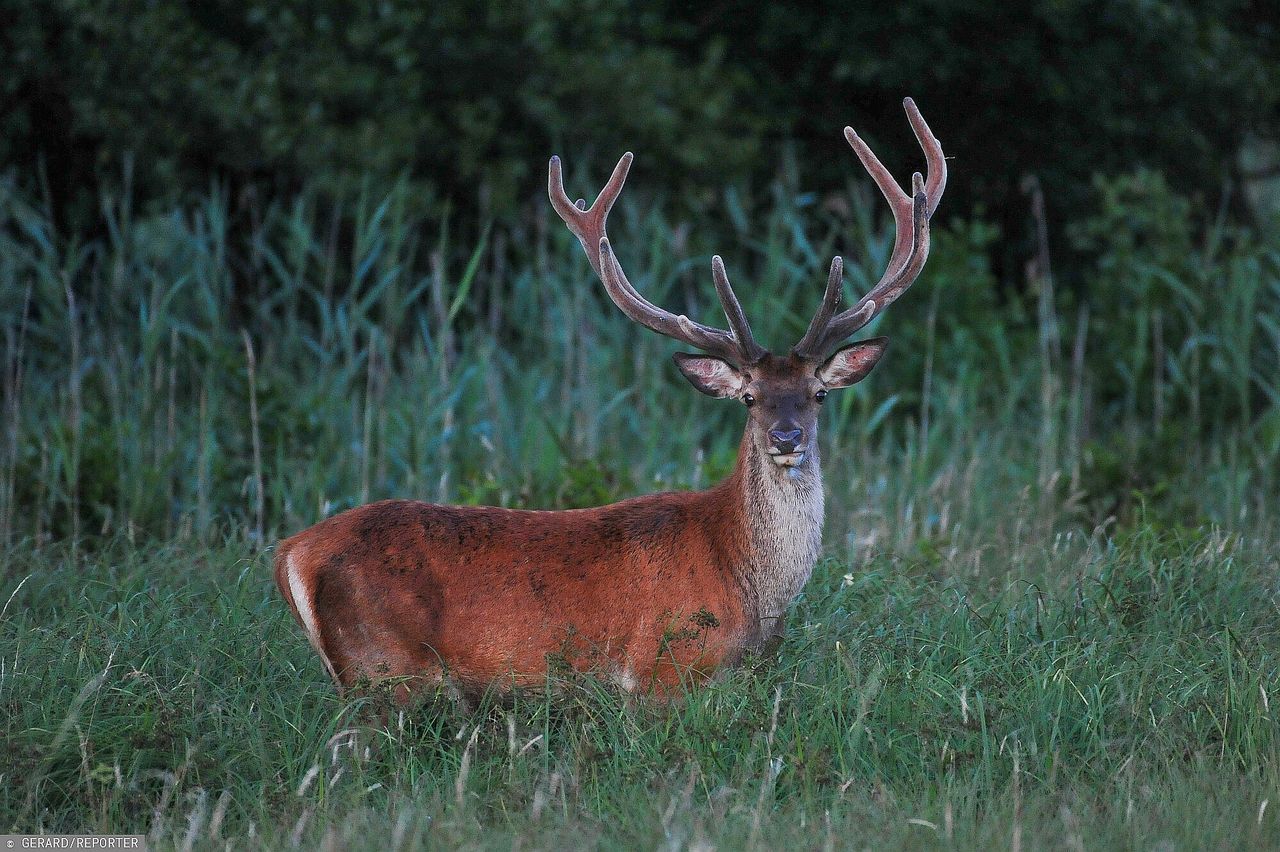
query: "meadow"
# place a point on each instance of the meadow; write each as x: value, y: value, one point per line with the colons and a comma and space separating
x: 1046, y: 615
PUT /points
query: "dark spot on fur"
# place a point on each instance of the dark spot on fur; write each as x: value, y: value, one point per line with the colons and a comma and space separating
x: 655, y: 521
x: 432, y: 603
x: 609, y: 529
x: 333, y: 593
x: 469, y: 528
x: 439, y: 522
x: 382, y: 525
x: 538, y: 583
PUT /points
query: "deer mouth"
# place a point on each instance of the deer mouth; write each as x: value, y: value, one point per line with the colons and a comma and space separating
x: 791, y: 459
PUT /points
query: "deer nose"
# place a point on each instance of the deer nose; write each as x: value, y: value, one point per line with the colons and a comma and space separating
x: 786, y: 440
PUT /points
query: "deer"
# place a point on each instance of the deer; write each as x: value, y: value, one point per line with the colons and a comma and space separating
x: 657, y: 593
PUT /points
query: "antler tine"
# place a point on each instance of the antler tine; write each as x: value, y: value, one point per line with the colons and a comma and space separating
x: 722, y: 344
x: 936, y: 163
x: 911, y: 242
x: 588, y: 225
x: 899, y: 201
x: 887, y: 291
x: 751, y: 350
x: 830, y: 301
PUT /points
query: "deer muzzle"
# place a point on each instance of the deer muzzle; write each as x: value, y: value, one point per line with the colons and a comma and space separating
x: 786, y: 446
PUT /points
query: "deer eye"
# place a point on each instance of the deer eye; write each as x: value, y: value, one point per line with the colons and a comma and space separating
x: 748, y: 400
x: 820, y: 396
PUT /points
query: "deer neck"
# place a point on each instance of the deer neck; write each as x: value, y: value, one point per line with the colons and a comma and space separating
x: 782, y: 517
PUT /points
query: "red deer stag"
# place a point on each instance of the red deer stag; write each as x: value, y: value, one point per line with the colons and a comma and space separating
x: 655, y: 591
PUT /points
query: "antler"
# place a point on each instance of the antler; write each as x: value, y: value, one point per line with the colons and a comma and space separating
x: 738, y: 347
x: 910, y: 248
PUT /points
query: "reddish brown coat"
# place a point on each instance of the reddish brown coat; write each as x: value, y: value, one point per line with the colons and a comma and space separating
x: 649, y: 590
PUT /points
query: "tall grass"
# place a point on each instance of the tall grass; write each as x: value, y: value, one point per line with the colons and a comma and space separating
x: 1117, y: 693
x: 1046, y: 609
x: 391, y: 362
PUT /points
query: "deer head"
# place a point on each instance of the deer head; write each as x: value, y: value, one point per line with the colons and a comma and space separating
x: 781, y: 392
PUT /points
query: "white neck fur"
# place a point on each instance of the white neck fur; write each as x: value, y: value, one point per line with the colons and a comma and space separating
x: 784, y: 519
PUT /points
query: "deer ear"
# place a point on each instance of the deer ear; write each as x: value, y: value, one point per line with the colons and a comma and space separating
x: 710, y: 375
x: 851, y: 364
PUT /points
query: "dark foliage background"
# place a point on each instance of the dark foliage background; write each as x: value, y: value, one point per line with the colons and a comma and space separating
x: 468, y: 98
x: 363, y: 185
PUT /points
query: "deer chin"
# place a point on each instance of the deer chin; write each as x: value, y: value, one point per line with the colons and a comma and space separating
x: 788, y: 460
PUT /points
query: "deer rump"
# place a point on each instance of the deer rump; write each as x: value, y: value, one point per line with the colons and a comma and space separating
x: 646, y: 590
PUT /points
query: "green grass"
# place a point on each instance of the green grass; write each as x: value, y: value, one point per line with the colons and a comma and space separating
x: 1119, y: 695
x: 1047, y: 612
